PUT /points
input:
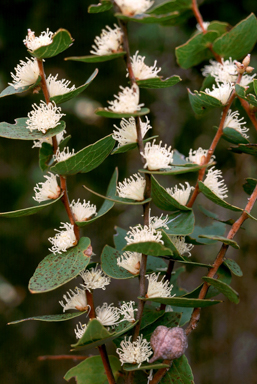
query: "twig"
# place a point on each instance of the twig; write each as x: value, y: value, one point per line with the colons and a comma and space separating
x: 62, y: 357
x: 160, y: 373
x: 249, y: 112
x: 167, y: 278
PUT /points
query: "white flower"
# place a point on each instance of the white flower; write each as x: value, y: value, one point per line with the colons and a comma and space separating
x: 130, y: 261
x: 205, y: 25
x: 158, y: 288
x: 80, y: 330
x: 246, y: 79
x: 44, y: 117
x: 222, y: 93
x: 63, y: 239
x: 133, y: 7
x: 157, y: 157
x: 218, y: 187
x: 180, y: 194
x: 47, y: 190
x: 82, y: 212
x: 126, y: 101
x: 134, y: 352
x: 139, y: 234
x: 181, y: 245
x: 198, y: 156
x: 59, y: 137
x: 224, y: 73
x: 127, y: 133
x: 75, y: 300
x: 107, y: 315
x: 32, y: 42
x: 157, y: 222
x: 94, y: 278
x: 26, y: 73
x: 127, y: 310
x: 132, y: 188
x: 58, y: 87
x: 141, y: 70
x: 64, y: 155
x: 110, y: 41
x: 232, y: 121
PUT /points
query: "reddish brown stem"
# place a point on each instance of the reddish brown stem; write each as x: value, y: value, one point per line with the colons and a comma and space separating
x: 106, y: 363
x: 90, y: 302
x: 160, y: 373
x: 250, y: 113
x: 167, y: 278
x: 62, y: 357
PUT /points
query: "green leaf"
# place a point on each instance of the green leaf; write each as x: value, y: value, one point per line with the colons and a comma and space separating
x: 155, y: 264
x: 170, y: 244
x: 250, y: 185
x: 62, y: 40
x: 20, y: 130
x: 216, y: 228
x: 119, y: 238
x: 222, y: 287
x: 144, y: 366
x: 109, y: 264
x: 255, y: 86
x: 158, y: 82
x: 219, y: 26
x: 149, y: 248
x: 28, y: 211
x: 182, y: 301
x: 224, y: 240
x: 70, y: 95
x: 45, y: 155
x: 128, y: 147
x: 96, y: 58
x: 201, y: 102
x: 179, y: 373
x: 238, y: 42
x: 233, y: 267
x: 103, y: 6
x: 55, y: 270
x: 217, y: 200
x: 195, y: 50
x: 233, y: 136
x: 250, y: 149
x: 241, y: 92
x: 10, y: 90
x: 177, y: 170
x: 86, y: 159
x: 106, y: 113
x: 51, y: 318
x: 163, y: 200
x: 182, y: 7
x: 150, y: 316
x: 181, y: 223
x: 214, y: 216
x: 145, y: 18
x: 91, y: 370
x: 194, y: 263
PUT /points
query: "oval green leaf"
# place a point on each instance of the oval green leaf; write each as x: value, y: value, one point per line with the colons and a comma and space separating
x: 241, y: 92
x: 233, y: 267
x: 201, y: 102
x: 144, y: 366
x: 113, y: 115
x: 233, y: 136
x: 177, y: 169
x: 250, y: 149
x: 51, y: 318
x: 179, y: 373
x: 145, y: 18
x: 12, y: 91
x: 45, y: 155
x: 224, y: 240
x: 216, y: 228
x: 62, y: 40
x: 109, y: 264
x: 96, y: 58
x: 250, y: 185
x: 158, y: 82
x: 224, y: 288
x: 103, y: 6
x: 182, y: 301
x: 181, y: 223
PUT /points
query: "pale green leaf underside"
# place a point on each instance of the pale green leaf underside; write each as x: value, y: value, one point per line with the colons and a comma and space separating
x: 10, y: 90
x: 182, y: 301
x: 96, y: 58
x: 224, y: 288
x: 106, y: 113
x: 158, y: 82
x: 224, y: 240
x: 51, y: 318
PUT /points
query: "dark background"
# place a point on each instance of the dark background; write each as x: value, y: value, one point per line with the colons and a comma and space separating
x: 223, y: 348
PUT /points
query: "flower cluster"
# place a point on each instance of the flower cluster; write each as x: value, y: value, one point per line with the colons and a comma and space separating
x: 181, y: 245
x: 58, y: 87
x: 80, y: 330
x: 127, y: 101
x: 32, y: 42
x: 64, y: 239
x: 94, y: 278
x: 217, y: 186
x: 180, y: 194
x: 82, y: 211
x: 110, y: 41
x: 135, y: 352
x: 130, y: 261
x: 26, y: 73
x: 108, y: 315
x: 127, y: 310
x: 75, y: 300
x: 157, y: 157
x: 132, y: 188
x: 63, y: 155
x: 139, y: 234
x: 222, y: 92
x: 232, y: 121
x: 133, y: 7
x: 127, y: 132
x: 44, y: 117
x: 141, y: 70
x: 198, y: 156
x: 59, y: 138
x: 158, y: 288
x: 49, y: 190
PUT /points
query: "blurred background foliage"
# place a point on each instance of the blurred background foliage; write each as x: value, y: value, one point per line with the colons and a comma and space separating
x: 223, y: 349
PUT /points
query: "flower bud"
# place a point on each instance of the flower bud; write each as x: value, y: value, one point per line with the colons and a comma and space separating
x: 249, y: 69
x: 246, y: 60
x: 168, y: 343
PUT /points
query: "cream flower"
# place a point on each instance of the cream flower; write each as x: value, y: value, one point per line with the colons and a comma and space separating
x: 232, y: 121
x: 44, y: 117
x: 128, y: 311
x: 127, y: 133
x: 141, y: 70
x: 94, y: 278
x: 222, y: 92
x: 49, y: 140
x: 58, y: 87
x: 64, y: 155
x: 110, y: 41
x: 135, y: 352
x: 126, y: 101
x: 80, y: 330
x: 218, y: 187
x: 139, y: 234
x: 108, y: 315
x: 205, y: 25
x: 82, y: 212
x: 49, y: 190
x: 157, y: 157
x: 132, y: 188
x: 32, y: 42
x: 157, y: 222
x: 225, y: 72
x: 181, y: 245
x: 246, y: 79
x: 64, y: 239
x: 133, y: 7
x: 180, y: 194
x: 198, y: 156
x: 158, y: 288
x: 26, y: 73
x: 130, y: 261
x: 75, y: 300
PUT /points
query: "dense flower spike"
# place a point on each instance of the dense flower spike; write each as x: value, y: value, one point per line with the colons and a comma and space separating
x: 157, y: 157
x: 232, y: 121
x: 139, y: 234
x: 75, y: 300
x: 158, y: 222
x: 82, y: 211
x: 94, y: 278
x: 64, y: 239
x: 58, y: 87
x: 130, y: 261
x: 181, y: 194
x: 212, y: 181
x: 80, y: 330
x: 44, y: 117
x: 127, y: 133
x: 108, y: 315
x: 110, y: 41
x: 132, y: 188
x: 135, y: 352
x: 198, y: 156
x: 181, y: 245
x: 26, y: 73
x: 141, y: 70
x: 49, y: 140
x: 126, y: 101
x: 158, y: 288
x: 133, y: 7
x: 47, y: 190
x: 222, y: 92
x: 64, y: 155
x: 32, y: 42
x: 128, y: 311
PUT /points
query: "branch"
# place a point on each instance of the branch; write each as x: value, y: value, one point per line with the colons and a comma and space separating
x: 62, y: 357
x: 249, y: 111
